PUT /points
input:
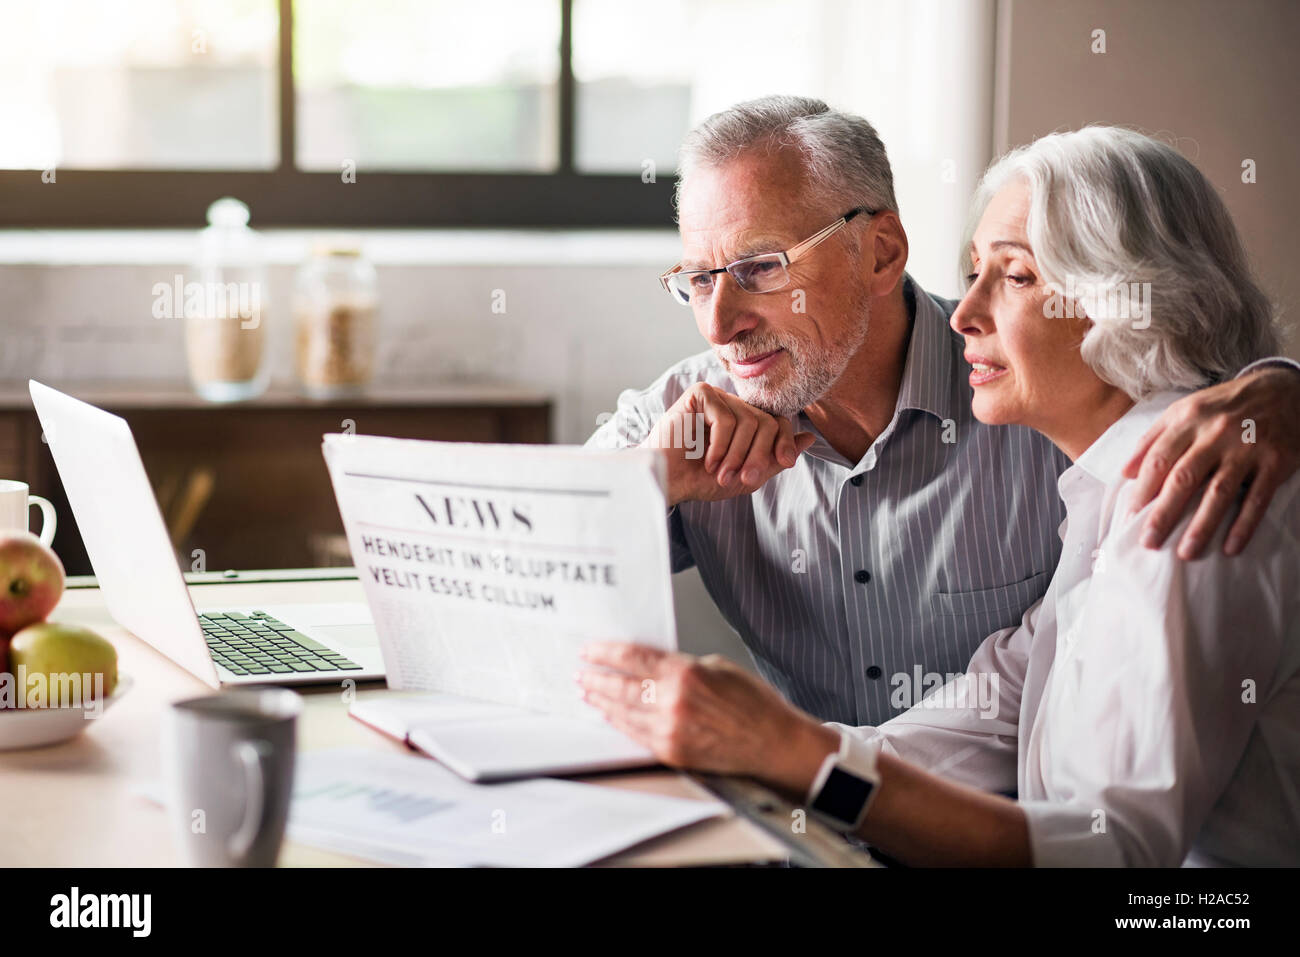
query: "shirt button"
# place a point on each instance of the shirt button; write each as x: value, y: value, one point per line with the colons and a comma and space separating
x: 862, y: 576
x: 856, y: 480
x: 874, y: 672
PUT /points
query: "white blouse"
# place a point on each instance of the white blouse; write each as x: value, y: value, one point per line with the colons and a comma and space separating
x: 1147, y: 709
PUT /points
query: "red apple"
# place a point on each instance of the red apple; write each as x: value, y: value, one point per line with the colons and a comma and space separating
x: 31, y: 581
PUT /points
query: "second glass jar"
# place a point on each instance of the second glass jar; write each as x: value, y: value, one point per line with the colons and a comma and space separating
x: 336, y: 307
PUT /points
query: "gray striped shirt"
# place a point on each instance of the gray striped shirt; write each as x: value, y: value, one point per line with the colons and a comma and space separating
x: 849, y: 583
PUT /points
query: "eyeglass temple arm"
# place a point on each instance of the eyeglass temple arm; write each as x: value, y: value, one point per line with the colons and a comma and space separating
x: 794, y: 252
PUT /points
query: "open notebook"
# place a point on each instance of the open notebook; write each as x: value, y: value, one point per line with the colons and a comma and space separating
x: 486, y: 741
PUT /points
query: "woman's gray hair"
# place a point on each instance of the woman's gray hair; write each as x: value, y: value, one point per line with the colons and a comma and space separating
x: 843, y: 156
x: 1127, y: 230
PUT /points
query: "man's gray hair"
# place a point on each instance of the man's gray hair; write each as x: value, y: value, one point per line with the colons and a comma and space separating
x: 1110, y: 207
x: 843, y: 157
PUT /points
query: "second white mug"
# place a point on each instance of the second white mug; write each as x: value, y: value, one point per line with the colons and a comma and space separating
x: 15, y: 507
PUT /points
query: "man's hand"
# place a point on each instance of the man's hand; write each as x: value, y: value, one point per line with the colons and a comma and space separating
x: 706, y: 714
x: 1242, y: 432
x: 737, y: 449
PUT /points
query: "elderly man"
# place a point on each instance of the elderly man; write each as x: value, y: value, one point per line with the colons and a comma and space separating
x: 854, y: 523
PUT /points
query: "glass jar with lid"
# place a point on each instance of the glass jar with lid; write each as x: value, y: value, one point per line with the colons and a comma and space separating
x: 225, y: 331
x: 336, y: 305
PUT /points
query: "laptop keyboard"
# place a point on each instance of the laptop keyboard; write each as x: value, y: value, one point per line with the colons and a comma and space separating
x: 258, y: 644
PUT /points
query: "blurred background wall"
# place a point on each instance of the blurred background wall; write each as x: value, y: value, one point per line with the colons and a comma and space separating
x: 1220, y: 81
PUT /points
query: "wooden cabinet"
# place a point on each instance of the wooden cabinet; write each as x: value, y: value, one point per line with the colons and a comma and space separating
x: 246, y: 484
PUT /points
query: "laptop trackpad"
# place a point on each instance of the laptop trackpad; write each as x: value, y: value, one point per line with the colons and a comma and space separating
x: 346, y: 636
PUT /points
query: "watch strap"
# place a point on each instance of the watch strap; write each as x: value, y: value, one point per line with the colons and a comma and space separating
x: 847, y: 781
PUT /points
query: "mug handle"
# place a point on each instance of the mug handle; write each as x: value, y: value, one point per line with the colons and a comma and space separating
x: 49, y: 521
x: 251, y: 756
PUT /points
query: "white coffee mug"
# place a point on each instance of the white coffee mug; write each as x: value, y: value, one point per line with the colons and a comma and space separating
x: 15, y: 508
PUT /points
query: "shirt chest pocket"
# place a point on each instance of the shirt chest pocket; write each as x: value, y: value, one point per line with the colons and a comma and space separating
x: 1003, y: 603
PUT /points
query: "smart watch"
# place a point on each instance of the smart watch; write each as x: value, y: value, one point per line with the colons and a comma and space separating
x: 846, y: 782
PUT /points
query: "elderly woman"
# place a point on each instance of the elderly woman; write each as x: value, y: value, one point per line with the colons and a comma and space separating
x: 1147, y: 710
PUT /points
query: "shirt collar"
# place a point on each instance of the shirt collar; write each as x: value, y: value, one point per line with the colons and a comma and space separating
x: 929, y: 372
x: 931, y: 367
x: 1104, y: 460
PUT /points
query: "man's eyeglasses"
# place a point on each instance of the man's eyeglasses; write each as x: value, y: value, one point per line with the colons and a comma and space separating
x: 764, y: 273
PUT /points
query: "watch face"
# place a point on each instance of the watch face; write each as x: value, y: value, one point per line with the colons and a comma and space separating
x: 843, y: 796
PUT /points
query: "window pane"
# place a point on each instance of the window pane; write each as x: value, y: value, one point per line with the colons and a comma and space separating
x: 427, y: 84
x: 635, y: 86
x: 640, y: 90
x: 144, y: 84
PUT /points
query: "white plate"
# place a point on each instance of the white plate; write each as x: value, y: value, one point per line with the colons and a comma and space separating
x: 34, y: 727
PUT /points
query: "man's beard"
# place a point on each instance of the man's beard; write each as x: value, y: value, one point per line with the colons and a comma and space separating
x: 812, y: 372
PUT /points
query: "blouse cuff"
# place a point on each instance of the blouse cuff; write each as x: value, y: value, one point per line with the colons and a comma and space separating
x: 1066, y: 835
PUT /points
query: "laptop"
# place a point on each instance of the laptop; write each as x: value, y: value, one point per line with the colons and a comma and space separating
x: 141, y: 581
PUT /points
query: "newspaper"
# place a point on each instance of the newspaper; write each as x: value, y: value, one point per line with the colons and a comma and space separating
x: 487, y: 567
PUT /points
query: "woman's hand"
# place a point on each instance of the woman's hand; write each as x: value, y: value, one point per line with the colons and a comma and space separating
x: 706, y: 714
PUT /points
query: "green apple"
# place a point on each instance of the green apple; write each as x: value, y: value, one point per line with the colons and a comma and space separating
x: 58, y: 651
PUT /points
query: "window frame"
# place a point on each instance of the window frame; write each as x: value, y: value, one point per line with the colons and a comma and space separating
x: 291, y: 197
